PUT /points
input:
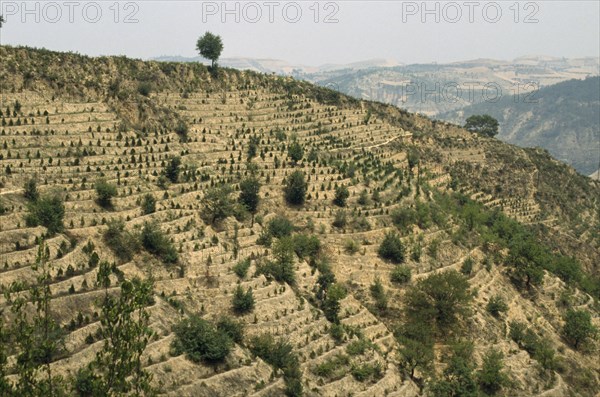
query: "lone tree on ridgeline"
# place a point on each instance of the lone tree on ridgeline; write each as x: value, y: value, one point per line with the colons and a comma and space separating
x: 482, y: 124
x: 210, y: 47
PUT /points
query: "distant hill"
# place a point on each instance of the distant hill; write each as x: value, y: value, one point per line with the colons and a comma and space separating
x: 430, y: 88
x: 563, y: 118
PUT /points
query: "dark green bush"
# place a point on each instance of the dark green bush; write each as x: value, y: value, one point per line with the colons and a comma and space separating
x: 363, y: 372
x: 172, y: 169
x: 578, y: 327
x: 306, y: 246
x: 438, y: 301
x: 280, y: 355
x: 491, y: 376
x: 47, y: 211
x: 157, y: 243
x: 282, y: 269
x: 148, y: 204
x: 341, y: 196
x: 105, y: 192
x: 403, y: 218
x: 467, y: 267
x: 295, y: 152
x: 242, y: 302
x: 30, y: 190
x: 496, y: 306
x: 295, y: 188
x: 379, y: 295
x: 200, y: 340
x: 121, y: 242
x: 401, y: 274
x: 234, y: 329
x: 241, y: 268
x: 280, y: 226
x: 391, y: 248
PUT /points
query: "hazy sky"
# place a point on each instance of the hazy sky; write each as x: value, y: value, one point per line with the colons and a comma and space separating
x: 310, y: 32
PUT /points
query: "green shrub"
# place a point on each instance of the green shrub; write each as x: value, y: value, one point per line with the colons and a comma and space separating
x: 331, y: 302
x: 340, y: 220
x: 234, y: 329
x: 86, y: 382
x: 295, y: 151
x: 282, y: 269
x: 280, y: 226
x: 351, y: 246
x: 359, y: 347
x: 391, y: 248
x: 144, y: 88
x: 148, y: 204
x: 295, y: 188
x: 155, y: 241
x: 105, y: 192
x: 172, y: 169
x: 496, y: 306
x: 467, y: 266
x: 363, y: 198
x: 378, y: 293
x: 121, y: 242
x: 439, y: 301
x: 280, y: 355
x: 491, y: 378
x: 341, y: 196
x: 306, y: 246
x: 404, y: 217
x: 217, y: 204
x: 538, y: 348
x: 47, y: 211
x: 249, y: 194
x: 242, y: 302
x: 200, y: 340
x: 264, y: 238
x: 30, y: 190
x: 241, y: 268
x: 578, y: 327
x: 337, y: 332
x: 333, y: 368
x: 568, y: 269
x: 363, y: 372
x: 401, y: 274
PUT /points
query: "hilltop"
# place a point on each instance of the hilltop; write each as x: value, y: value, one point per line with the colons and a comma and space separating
x: 426, y: 204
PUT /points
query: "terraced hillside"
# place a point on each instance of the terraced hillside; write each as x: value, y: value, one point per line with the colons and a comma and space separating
x: 71, y: 123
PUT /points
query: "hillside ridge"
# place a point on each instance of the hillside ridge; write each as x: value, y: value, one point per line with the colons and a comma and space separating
x: 458, y: 202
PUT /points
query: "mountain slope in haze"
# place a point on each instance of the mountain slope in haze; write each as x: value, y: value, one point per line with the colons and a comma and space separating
x: 485, y: 213
x: 563, y: 118
x: 430, y: 89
